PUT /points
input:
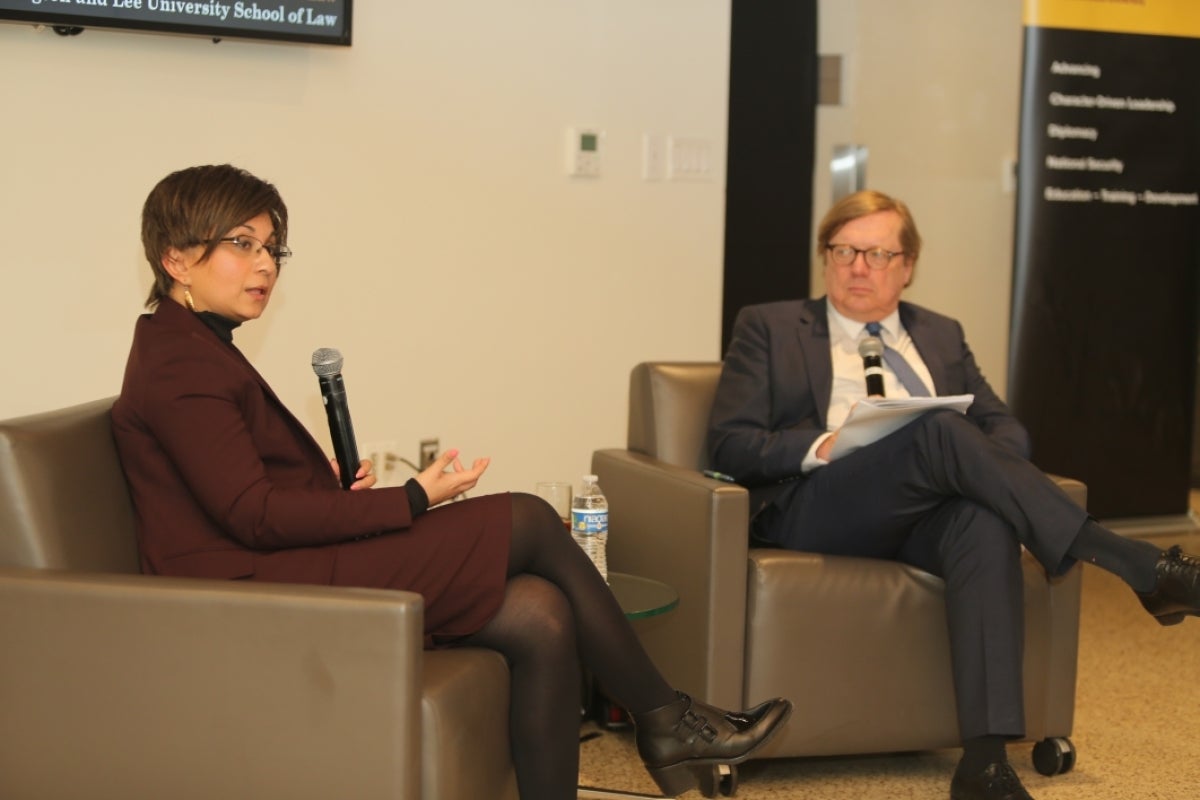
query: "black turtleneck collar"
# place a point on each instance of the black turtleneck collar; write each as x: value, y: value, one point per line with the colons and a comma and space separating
x: 221, y: 326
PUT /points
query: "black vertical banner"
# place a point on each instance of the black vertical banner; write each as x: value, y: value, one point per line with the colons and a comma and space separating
x: 769, y: 170
x: 1104, y: 334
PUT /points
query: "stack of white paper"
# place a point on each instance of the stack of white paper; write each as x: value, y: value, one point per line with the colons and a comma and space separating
x: 876, y: 417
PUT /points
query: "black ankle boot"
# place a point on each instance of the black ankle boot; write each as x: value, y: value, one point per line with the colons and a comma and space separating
x: 682, y: 739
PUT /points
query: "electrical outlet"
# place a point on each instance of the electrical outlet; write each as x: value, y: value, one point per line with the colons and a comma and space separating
x: 384, y: 456
x: 428, y: 452
x: 389, y: 456
x: 376, y: 452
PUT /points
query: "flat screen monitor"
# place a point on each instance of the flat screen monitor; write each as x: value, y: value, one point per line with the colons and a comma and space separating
x: 310, y: 21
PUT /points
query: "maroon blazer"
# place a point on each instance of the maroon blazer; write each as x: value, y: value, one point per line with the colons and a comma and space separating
x: 225, y: 482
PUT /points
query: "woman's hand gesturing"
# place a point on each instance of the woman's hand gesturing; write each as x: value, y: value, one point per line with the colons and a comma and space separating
x: 447, y: 477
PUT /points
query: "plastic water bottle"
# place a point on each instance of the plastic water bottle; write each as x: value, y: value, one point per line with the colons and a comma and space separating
x: 589, y: 523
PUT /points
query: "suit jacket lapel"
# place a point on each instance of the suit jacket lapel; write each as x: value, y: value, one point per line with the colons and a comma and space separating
x: 926, y: 341
x: 812, y: 332
x: 179, y: 317
x: 182, y: 319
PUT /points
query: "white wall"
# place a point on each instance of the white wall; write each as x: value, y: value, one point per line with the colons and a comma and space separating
x: 439, y: 244
x: 478, y: 294
x: 933, y: 90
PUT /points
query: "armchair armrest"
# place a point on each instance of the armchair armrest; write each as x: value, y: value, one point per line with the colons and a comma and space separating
x: 1061, y: 635
x: 1076, y: 490
x: 677, y: 526
x: 137, y: 686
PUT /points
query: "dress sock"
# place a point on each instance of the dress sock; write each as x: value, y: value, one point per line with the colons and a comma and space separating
x: 556, y: 611
x: 1131, y: 560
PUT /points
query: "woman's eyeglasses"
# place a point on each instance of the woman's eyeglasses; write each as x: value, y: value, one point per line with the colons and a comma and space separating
x: 250, y: 247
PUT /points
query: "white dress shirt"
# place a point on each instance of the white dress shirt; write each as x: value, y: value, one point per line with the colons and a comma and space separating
x: 849, y: 381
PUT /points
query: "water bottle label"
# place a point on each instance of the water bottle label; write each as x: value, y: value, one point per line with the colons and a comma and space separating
x: 589, y: 522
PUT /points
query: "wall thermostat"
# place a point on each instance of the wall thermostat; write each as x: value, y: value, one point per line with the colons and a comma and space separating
x: 583, y: 152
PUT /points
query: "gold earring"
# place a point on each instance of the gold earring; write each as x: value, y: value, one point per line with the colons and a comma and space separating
x: 187, y: 298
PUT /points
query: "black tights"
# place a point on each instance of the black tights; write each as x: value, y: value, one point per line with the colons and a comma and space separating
x: 557, y: 611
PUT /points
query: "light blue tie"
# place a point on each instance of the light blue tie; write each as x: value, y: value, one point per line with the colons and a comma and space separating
x: 904, y: 372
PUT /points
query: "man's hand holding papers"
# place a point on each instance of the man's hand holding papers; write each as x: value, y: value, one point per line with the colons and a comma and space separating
x: 875, y: 417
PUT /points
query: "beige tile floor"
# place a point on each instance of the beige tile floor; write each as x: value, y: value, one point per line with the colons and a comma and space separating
x: 1137, y: 723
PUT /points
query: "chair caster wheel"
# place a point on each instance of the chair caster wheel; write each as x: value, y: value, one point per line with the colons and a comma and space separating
x: 1054, y: 756
x: 722, y: 779
x: 729, y: 780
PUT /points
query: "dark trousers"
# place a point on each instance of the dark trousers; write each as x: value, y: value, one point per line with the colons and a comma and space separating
x: 941, y: 496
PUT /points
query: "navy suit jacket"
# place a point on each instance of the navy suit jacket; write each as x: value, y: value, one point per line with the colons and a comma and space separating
x: 775, y: 387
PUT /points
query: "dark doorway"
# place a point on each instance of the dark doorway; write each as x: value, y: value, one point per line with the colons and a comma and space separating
x: 772, y: 119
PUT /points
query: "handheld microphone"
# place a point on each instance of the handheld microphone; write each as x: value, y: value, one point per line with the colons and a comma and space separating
x: 327, y: 363
x: 871, y: 350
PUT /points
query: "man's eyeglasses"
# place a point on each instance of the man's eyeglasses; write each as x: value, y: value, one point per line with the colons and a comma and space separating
x: 876, y: 257
x: 250, y: 247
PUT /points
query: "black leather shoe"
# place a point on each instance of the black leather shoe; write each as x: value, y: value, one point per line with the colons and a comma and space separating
x: 1177, y: 592
x: 997, y: 781
x: 680, y: 740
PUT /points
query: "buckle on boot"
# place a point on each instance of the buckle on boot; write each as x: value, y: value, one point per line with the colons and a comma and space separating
x: 698, y: 725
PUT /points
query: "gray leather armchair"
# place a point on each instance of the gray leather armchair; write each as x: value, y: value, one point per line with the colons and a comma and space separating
x: 126, y: 686
x: 858, y: 645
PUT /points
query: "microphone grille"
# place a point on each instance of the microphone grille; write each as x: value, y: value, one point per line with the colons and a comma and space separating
x: 870, y: 346
x: 327, y: 361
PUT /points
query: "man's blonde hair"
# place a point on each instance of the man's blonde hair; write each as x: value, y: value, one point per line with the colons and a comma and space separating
x: 860, y: 204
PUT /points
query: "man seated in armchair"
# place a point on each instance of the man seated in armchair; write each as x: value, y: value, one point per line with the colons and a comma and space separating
x: 951, y: 493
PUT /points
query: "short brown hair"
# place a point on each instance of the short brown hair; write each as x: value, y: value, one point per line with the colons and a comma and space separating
x: 860, y: 204
x: 194, y: 206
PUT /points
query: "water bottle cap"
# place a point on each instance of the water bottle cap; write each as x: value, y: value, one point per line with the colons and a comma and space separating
x: 590, y: 478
